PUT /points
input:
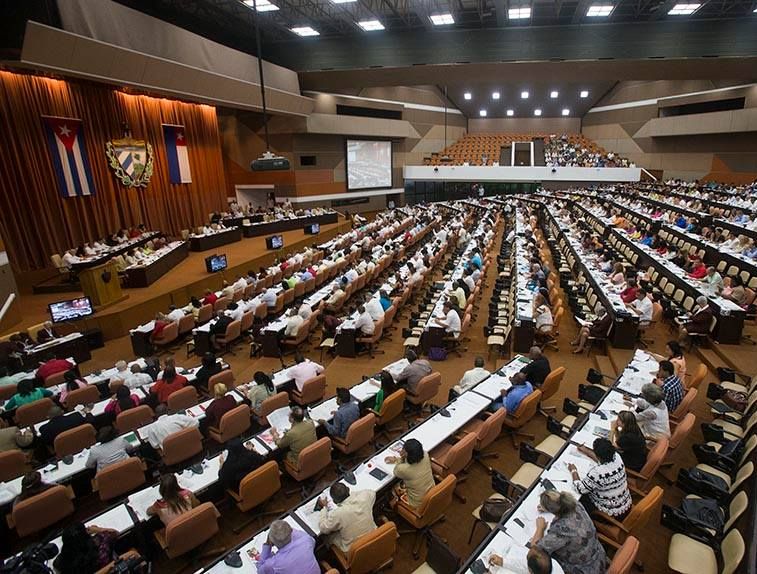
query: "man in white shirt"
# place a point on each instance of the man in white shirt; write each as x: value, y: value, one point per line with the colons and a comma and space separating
x: 364, y: 324
x: 643, y: 307
x: 69, y: 258
x: 304, y: 370
x: 305, y: 311
x: 166, y: 425
x: 468, y: 279
x: 240, y: 284
x: 174, y: 314
x: 450, y: 321
x: 351, y: 275
x: 472, y: 377
x: 294, y: 321
x: 336, y: 295
x: 121, y: 373
x: 268, y: 297
x: 137, y: 378
x: 374, y: 308
x: 234, y: 311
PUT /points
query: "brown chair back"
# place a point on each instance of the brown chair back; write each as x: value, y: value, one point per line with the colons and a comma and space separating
x: 434, y: 504
x: 392, y: 407
x: 168, y: 335
x: 642, y: 512
x: 186, y: 324
x: 233, y: 423
x: 119, y: 478
x: 374, y: 549
x: 226, y: 377
x: 259, y: 485
x: 312, y: 460
x: 191, y: 529
x: 552, y: 383
x: 33, y: 413
x: 622, y: 562
x: 55, y: 379
x: 491, y: 429
x: 182, y: 399
x: 682, y: 430
x: 460, y: 455
x: 685, y: 405
x: 313, y: 390
x: 655, y: 459
x: 271, y: 404
x: 697, y: 377
x: 247, y: 319
x: 74, y: 440
x: 82, y: 396
x: 205, y: 314
x: 359, y: 434
x: 135, y: 418
x: 12, y: 465
x: 181, y: 445
x: 525, y: 412
x: 233, y: 332
x: 221, y: 304
x: 426, y: 389
x: 42, y: 510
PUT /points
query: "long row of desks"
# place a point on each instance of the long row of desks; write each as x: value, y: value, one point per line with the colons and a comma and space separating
x: 156, y: 265
x: 115, y: 251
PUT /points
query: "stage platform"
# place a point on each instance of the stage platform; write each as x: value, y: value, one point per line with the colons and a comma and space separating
x: 175, y: 288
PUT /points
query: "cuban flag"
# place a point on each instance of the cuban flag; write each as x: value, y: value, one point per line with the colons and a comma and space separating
x: 65, y: 136
x: 176, y: 151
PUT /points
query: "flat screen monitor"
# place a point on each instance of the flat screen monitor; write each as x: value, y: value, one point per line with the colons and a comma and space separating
x: 71, y: 309
x: 369, y: 164
x: 215, y: 263
x: 313, y: 229
x: 275, y: 242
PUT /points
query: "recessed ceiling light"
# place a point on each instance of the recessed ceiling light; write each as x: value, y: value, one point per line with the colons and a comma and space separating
x: 537, y: 112
x: 342, y: 1
x: 519, y: 13
x: 584, y: 93
x: 261, y: 5
x: 684, y: 9
x: 370, y: 25
x: 599, y: 10
x: 482, y: 113
x: 553, y: 94
x: 467, y: 95
x: 442, y: 19
x: 565, y: 112
x: 524, y: 95
x: 755, y: 10
x: 510, y: 113
x: 305, y: 31
x: 495, y: 95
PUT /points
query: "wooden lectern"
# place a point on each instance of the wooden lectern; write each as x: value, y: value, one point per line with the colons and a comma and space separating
x: 101, y: 284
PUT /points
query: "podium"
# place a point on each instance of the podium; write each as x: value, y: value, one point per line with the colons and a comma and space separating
x: 101, y: 284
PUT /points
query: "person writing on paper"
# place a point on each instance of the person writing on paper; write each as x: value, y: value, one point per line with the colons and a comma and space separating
x: 629, y: 441
x: 299, y: 436
x: 413, y: 468
x: 237, y: 463
x: 605, y: 487
x: 295, y: 551
x: 652, y: 412
x: 349, y: 517
x: 713, y: 280
x: 643, y: 307
x: 571, y: 538
x: 598, y: 329
x: 346, y: 413
x: 450, y: 321
x: 174, y: 500
x: 522, y: 560
x: 303, y: 370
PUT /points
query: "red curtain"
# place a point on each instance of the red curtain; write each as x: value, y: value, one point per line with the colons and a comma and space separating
x: 38, y: 221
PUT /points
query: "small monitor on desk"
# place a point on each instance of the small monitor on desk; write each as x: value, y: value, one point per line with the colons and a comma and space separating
x: 215, y: 263
x: 70, y: 309
x: 274, y: 242
x: 313, y: 229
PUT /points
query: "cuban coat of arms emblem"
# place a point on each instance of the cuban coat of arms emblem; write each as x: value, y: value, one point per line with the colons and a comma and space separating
x: 131, y: 160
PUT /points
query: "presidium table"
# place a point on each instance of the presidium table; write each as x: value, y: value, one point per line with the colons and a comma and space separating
x: 156, y: 265
x: 212, y: 240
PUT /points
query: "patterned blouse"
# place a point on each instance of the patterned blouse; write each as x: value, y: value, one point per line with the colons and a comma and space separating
x: 606, y: 486
x: 572, y: 541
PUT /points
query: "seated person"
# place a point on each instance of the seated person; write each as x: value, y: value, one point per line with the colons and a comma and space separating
x: 71, y: 382
x: 53, y: 366
x: 605, y: 487
x: 221, y: 404
x: 597, y: 329
x: 168, y: 384
x: 31, y: 485
x: 167, y: 425
x: 85, y: 549
x: 47, y: 333
x: 303, y: 370
x: 629, y: 293
x: 161, y: 322
x: 123, y: 401
x: 387, y: 387
x: 218, y: 328
x: 137, y: 378
x: 450, y: 321
x: 414, y: 372
x: 236, y: 463
x: 512, y: 397
x: 472, y: 377
x: 643, y: 307
x: 260, y: 391
x: 413, y: 468
x: 210, y: 366
x: 110, y: 449
x: 59, y: 422
x: 174, y: 500
x: 542, y: 315
x: 347, y: 412
x: 700, y: 320
x: 671, y: 385
x: 652, y: 412
x: 523, y: 560
x: 300, y: 435
x: 537, y: 369
x: 629, y: 441
x: 295, y: 551
x: 364, y: 325
x: 293, y: 324
x: 349, y: 517
x: 26, y: 393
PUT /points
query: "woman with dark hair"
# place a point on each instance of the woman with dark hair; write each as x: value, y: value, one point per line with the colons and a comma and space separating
x: 605, y: 486
x: 388, y: 386
x: 26, y: 393
x: 70, y: 383
x: 674, y: 354
x: 413, y: 468
x: 31, y: 485
x: 237, y: 463
x: 571, y: 538
x: 629, y: 441
x: 174, y: 500
x: 210, y: 366
x: 85, y: 549
x: 123, y: 401
x: 168, y: 384
x: 261, y: 390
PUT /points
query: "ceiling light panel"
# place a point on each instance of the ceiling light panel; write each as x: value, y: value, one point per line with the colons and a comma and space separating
x: 599, y: 10
x: 554, y: 94
x: 442, y: 19
x: 510, y: 113
x: 684, y: 9
x: 519, y: 13
x: 584, y: 93
x: 261, y: 5
x: 370, y: 25
x: 565, y: 112
x: 495, y: 95
x: 537, y: 112
x: 524, y: 95
x: 342, y: 1
x: 305, y: 31
x: 482, y: 113
x: 468, y: 96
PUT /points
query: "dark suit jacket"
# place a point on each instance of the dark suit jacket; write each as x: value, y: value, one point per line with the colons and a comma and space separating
x: 700, y: 321
x: 599, y: 327
x: 219, y: 327
x: 43, y: 336
x: 57, y: 425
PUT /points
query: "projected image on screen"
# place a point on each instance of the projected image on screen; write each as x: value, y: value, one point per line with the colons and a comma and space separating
x: 369, y: 164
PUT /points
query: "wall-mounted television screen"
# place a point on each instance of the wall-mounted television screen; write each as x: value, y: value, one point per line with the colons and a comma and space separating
x: 274, y: 242
x: 313, y: 229
x: 215, y: 263
x: 71, y: 309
